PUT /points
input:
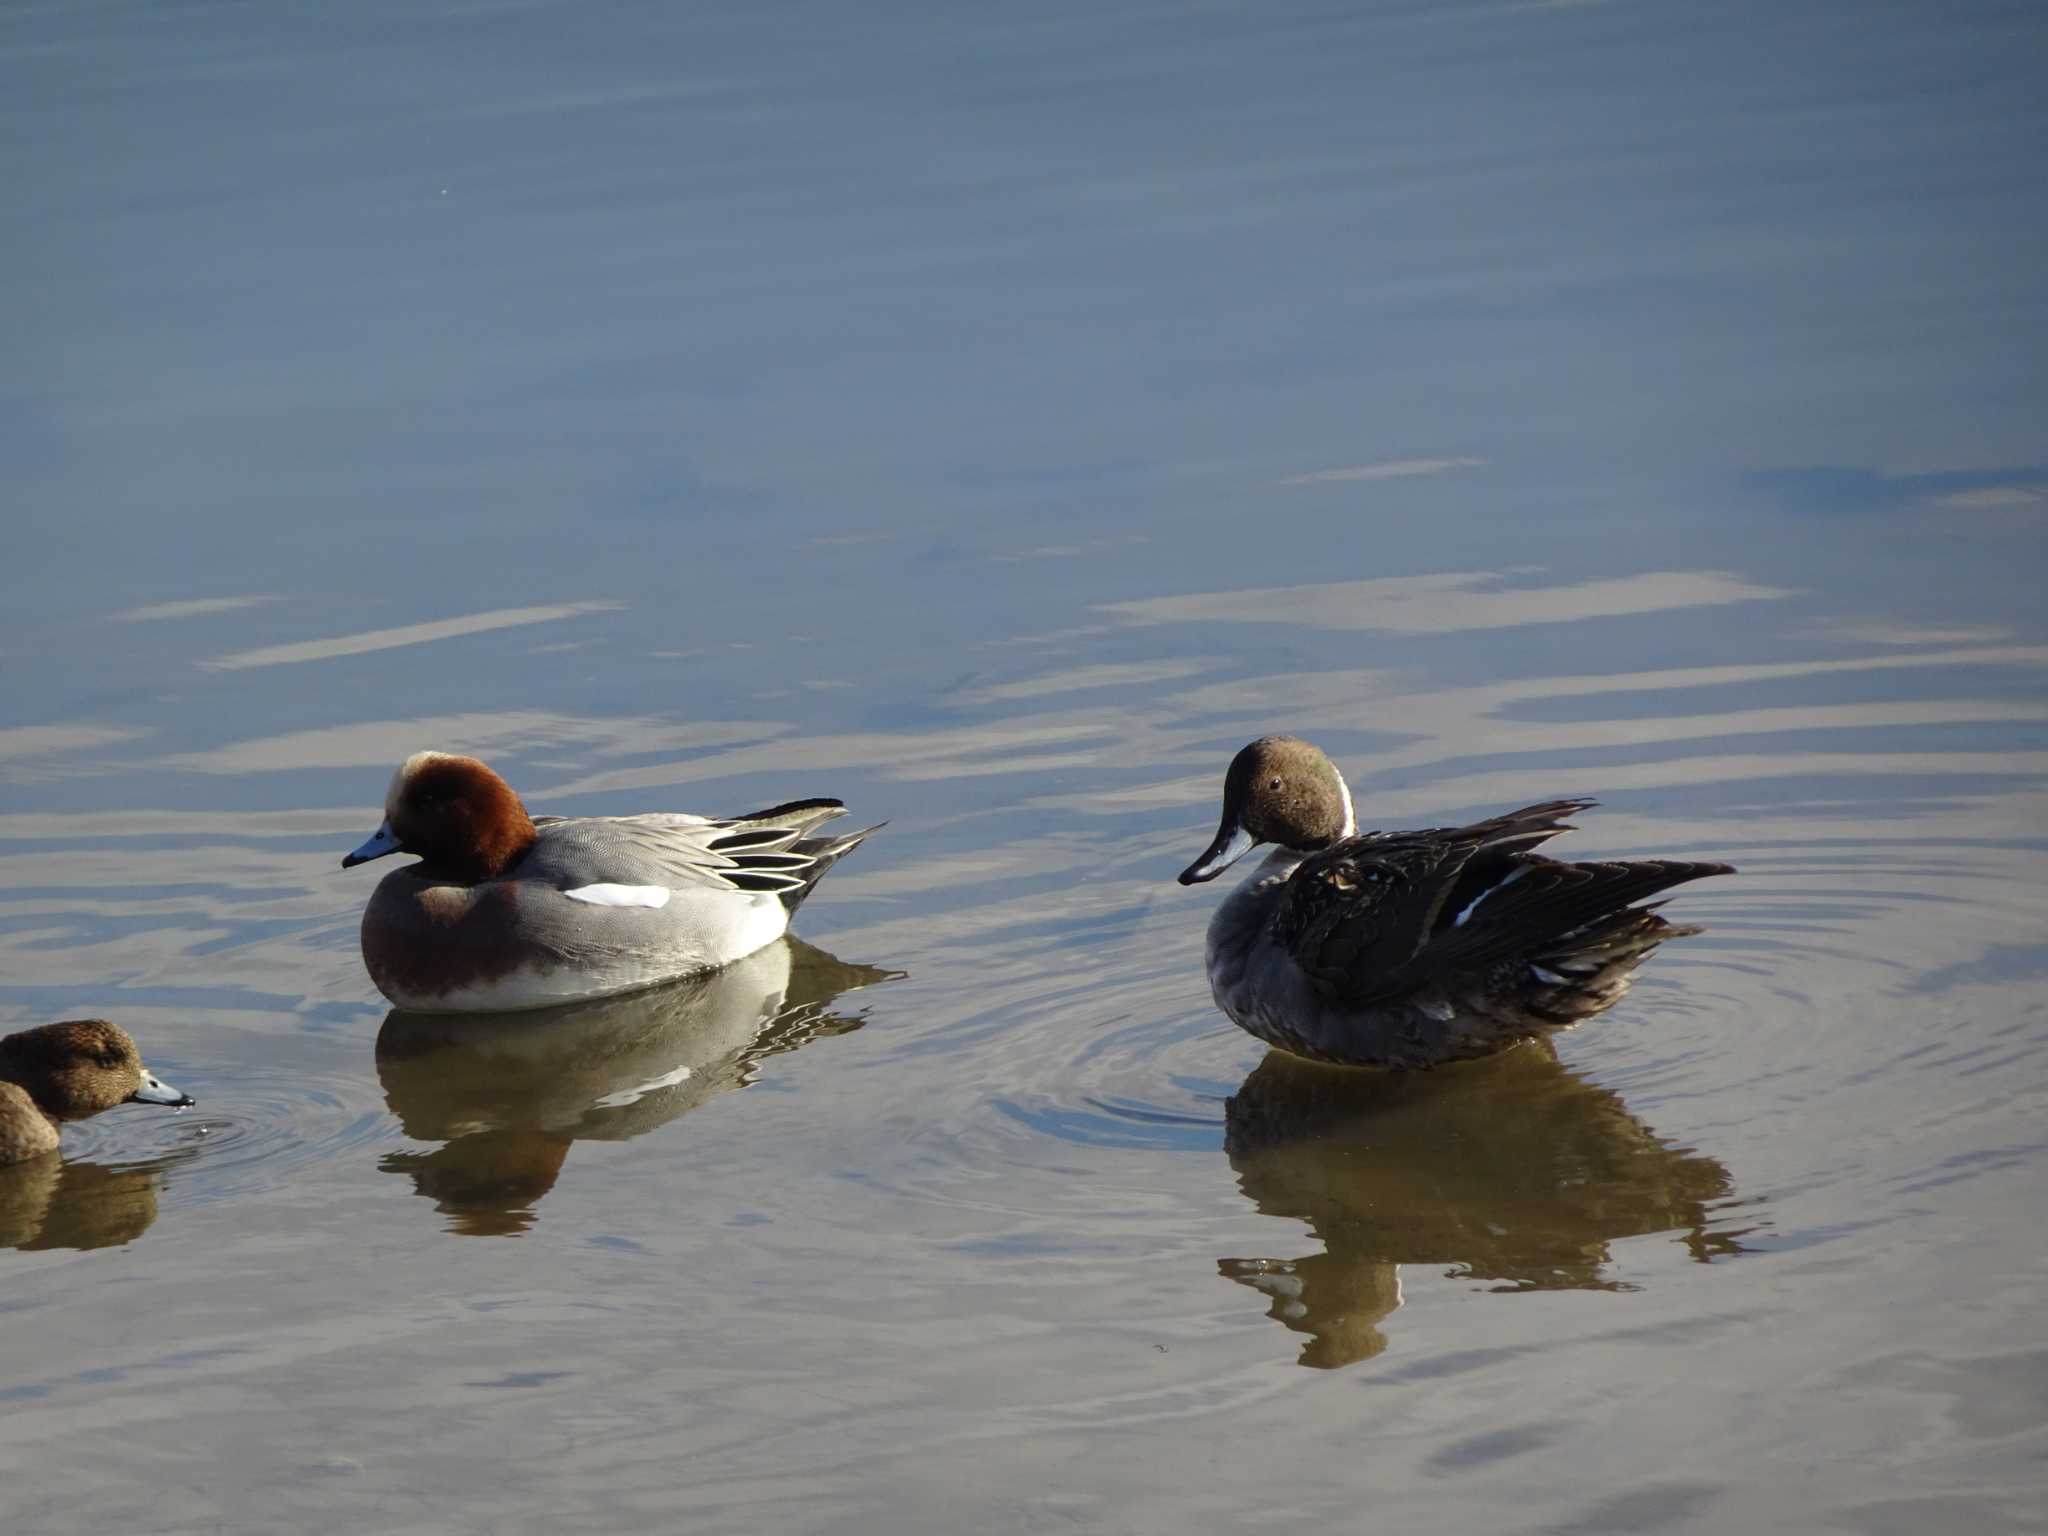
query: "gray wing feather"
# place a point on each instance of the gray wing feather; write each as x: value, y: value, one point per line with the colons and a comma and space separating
x: 673, y: 851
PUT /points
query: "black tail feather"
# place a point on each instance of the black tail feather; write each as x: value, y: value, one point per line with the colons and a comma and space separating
x: 823, y: 853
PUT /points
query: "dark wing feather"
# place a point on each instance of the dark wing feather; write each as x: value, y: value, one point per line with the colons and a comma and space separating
x: 1546, y: 903
x: 752, y: 837
x: 1375, y: 929
x: 1362, y: 913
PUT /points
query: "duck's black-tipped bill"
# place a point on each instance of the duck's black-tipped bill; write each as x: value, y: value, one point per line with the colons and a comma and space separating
x: 379, y: 843
x: 156, y: 1091
x: 1232, y: 843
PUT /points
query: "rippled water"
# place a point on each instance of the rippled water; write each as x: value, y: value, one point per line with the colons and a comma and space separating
x: 995, y: 423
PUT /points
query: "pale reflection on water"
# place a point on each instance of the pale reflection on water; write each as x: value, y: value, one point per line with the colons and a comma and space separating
x: 507, y: 1095
x: 1450, y: 602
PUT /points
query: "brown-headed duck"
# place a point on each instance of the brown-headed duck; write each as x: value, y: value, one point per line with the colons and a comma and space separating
x: 69, y: 1071
x: 1409, y: 949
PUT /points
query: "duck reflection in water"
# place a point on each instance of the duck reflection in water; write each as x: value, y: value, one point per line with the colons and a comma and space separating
x: 1509, y: 1169
x: 57, y: 1203
x: 508, y: 1094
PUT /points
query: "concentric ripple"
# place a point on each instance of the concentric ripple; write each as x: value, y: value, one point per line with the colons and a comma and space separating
x: 272, y: 1126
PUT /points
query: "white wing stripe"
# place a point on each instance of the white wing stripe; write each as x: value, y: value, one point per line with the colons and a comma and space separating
x: 1472, y: 905
x: 621, y: 895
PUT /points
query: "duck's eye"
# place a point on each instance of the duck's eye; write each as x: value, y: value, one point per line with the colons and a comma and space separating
x: 1275, y: 784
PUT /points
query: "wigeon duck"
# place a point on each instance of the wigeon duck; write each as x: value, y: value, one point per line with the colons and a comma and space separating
x: 1409, y: 949
x: 68, y: 1071
x: 508, y: 911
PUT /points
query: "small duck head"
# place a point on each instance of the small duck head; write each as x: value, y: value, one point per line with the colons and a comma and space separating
x: 1282, y: 790
x: 462, y: 820
x: 75, y: 1069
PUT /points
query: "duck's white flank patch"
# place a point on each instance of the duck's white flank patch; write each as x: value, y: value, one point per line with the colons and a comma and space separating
x: 621, y: 895
x: 1459, y: 920
x: 766, y: 919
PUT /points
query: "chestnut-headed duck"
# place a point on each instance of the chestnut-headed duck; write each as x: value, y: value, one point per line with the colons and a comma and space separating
x: 1410, y: 949
x: 69, y: 1071
x: 507, y: 911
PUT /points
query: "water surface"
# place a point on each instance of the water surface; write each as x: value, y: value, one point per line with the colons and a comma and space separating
x: 994, y: 422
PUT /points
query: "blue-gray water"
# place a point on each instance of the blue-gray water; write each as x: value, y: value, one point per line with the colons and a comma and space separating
x: 994, y: 417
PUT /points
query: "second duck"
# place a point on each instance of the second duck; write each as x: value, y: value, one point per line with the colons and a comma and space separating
x: 1410, y: 949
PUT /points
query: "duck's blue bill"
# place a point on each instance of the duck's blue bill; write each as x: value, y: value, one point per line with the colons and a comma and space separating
x: 380, y: 843
x: 155, y: 1090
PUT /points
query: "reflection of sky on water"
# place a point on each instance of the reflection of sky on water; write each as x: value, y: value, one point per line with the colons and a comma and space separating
x: 387, y: 743
x: 757, y: 279
x: 404, y: 634
x: 994, y: 423
x: 1851, y: 489
x: 1450, y: 603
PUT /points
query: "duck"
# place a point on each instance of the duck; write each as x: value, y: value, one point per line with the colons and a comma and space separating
x: 506, y: 911
x: 70, y: 1070
x: 1409, y: 950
